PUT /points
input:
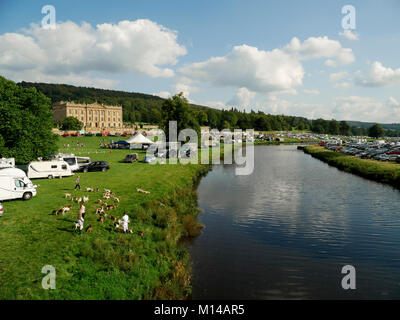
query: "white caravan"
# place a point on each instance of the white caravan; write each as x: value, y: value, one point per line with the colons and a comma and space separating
x: 49, y: 169
x: 74, y: 162
x: 14, y: 184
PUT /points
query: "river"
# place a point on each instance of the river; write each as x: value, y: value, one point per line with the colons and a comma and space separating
x: 286, y: 231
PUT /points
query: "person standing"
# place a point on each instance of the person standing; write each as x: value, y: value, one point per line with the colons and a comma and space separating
x: 81, y: 217
x: 77, y: 185
x: 125, y: 222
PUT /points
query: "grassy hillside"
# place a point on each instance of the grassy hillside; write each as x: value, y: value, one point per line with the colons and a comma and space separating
x: 103, y: 264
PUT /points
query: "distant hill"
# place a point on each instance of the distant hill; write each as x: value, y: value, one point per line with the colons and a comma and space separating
x: 366, y: 125
x: 137, y: 107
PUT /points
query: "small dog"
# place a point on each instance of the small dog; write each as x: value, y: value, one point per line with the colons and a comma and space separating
x: 67, y: 195
x: 89, y: 229
x: 113, y: 218
x: 85, y: 199
x: 140, y: 233
x: 101, y: 220
x: 99, y: 201
x: 116, y: 199
x: 142, y: 191
x: 89, y: 190
x: 100, y: 210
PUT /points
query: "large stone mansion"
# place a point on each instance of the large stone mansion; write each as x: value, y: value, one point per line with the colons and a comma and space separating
x: 94, y: 116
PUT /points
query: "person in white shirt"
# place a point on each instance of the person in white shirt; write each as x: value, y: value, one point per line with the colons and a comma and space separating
x: 81, y: 217
x: 125, y: 222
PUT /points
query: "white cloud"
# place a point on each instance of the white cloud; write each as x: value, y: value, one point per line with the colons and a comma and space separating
x: 378, y: 76
x: 184, y: 86
x: 280, y: 106
x: 342, y: 85
x: 338, y: 76
x: 242, y: 98
x: 348, y: 34
x: 311, y: 92
x: 278, y: 71
x: 321, y: 47
x: 245, y: 66
x: 341, y: 108
x: 163, y: 94
x: 366, y: 109
x: 141, y: 47
x: 215, y: 104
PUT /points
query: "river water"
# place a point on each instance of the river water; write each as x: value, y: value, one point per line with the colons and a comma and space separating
x: 286, y: 231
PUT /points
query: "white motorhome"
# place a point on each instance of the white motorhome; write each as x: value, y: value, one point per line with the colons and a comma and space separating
x: 74, y: 162
x: 14, y: 184
x: 49, y: 169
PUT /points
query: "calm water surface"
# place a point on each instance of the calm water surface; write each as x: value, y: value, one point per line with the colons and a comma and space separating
x: 286, y: 231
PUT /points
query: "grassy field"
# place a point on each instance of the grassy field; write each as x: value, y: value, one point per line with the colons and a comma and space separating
x: 103, y: 264
x: 385, y: 172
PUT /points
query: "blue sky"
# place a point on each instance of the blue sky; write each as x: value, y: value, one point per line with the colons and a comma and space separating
x: 281, y: 57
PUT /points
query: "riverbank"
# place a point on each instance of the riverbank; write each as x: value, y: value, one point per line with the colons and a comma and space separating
x: 379, y: 171
x: 151, y: 263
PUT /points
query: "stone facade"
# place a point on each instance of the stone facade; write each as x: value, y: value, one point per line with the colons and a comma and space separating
x: 94, y: 116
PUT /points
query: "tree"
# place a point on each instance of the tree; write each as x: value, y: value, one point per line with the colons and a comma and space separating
x: 344, y: 128
x: 334, y: 127
x: 26, y: 123
x: 376, y: 131
x: 177, y: 109
x: 71, y: 123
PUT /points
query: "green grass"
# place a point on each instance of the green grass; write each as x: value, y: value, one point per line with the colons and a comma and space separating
x: 103, y: 264
x: 385, y: 172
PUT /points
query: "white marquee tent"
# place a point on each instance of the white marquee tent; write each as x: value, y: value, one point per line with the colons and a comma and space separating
x: 139, y: 139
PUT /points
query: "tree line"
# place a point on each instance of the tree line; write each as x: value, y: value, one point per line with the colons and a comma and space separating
x: 145, y: 108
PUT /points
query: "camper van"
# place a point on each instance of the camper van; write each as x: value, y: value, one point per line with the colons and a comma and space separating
x: 74, y: 162
x: 14, y: 184
x: 49, y: 169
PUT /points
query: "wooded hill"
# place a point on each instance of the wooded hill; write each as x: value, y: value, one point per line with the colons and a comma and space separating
x: 140, y: 107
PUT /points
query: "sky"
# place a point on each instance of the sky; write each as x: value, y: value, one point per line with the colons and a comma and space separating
x: 305, y: 58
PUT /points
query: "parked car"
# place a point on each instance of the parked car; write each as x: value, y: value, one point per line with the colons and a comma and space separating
x: 1, y: 210
x: 95, y: 166
x: 130, y: 158
x: 89, y: 134
x: 65, y: 134
x: 149, y: 159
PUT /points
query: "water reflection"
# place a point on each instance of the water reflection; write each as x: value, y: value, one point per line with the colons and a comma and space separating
x: 286, y: 230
